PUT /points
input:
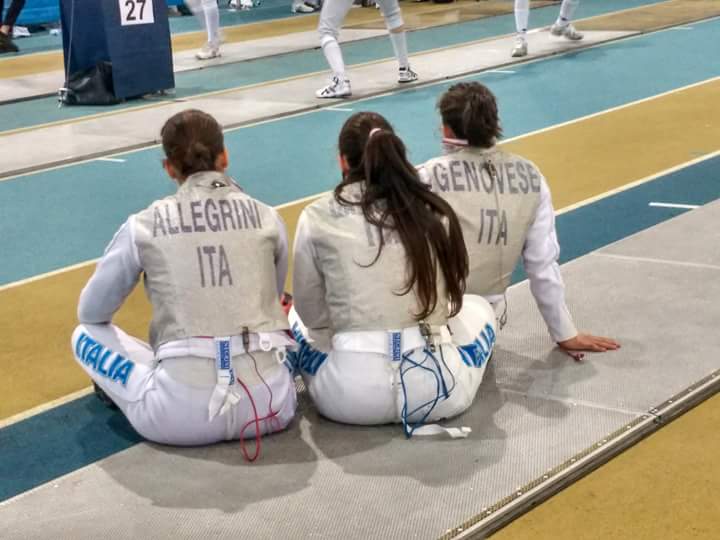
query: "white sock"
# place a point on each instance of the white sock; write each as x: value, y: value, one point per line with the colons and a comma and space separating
x: 399, y: 43
x: 566, y: 11
x: 333, y: 55
x: 212, y: 20
x: 522, y: 15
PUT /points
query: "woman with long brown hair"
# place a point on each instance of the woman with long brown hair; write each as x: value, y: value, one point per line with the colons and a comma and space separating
x: 379, y: 278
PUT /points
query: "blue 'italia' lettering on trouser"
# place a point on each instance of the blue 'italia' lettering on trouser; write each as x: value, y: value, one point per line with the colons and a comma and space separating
x: 305, y: 358
x: 115, y: 368
x: 478, y: 352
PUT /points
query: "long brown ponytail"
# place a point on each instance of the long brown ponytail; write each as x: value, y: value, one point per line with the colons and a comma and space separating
x: 426, y: 225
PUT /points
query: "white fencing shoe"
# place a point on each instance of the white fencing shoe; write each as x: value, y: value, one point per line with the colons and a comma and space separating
x: 338, y: 88
x: 302, y: 7
x: 520, y: 49
x: 208, y: 51
x: 567, y: 31
x: 406, y: 75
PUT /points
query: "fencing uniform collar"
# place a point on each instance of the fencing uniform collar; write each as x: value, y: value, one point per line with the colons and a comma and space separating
x: 209, y: 179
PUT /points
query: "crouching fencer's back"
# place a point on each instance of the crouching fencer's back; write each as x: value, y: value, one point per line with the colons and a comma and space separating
x: 209, y: 252
x: 362, y: 293
x: 495, y: 195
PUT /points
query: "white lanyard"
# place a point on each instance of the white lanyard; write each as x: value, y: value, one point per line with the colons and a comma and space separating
x: 224, y: 395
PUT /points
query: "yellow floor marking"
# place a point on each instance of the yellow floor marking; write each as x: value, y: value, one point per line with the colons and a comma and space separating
x: 665, y: 487
x: 655, y: 16
x: 580, y: 160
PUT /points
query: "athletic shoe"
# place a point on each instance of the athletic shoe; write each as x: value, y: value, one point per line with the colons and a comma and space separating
x: 6, y: 44
x: 567, y: 31
x: 103, y: 397
x: 243, y: 5
x: 302, y: 7
x: 406, y: 75
x: 209, y: 51
x: 338, y: 88
x: 520, y: 49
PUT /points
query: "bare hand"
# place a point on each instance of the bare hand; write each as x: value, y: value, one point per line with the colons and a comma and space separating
x: 575, y: 347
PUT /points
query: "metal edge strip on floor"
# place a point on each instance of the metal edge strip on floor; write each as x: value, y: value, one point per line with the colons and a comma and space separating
x: 509, y: 508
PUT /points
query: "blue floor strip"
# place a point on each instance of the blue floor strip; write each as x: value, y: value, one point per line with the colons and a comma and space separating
x: 54, y: 443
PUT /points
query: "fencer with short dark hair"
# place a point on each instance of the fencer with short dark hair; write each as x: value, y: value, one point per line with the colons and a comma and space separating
x: 505, y: 208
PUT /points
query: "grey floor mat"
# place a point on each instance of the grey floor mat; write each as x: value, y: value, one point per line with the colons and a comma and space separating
x: 535, y: 410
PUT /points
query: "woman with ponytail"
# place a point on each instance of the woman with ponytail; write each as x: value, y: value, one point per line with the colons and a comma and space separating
x: 213, y: 262
x: 505, y: 209
x: 379, y: 278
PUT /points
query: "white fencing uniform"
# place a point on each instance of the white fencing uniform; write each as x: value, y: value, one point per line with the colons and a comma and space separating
x: 214, y: 262
x: 363, y: 356
x: 506, y: 213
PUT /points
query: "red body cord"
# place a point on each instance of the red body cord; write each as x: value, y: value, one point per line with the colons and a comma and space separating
x: 272, y: 416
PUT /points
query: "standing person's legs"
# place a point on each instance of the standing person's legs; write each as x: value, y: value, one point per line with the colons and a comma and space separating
x: 562, y: 26
x: 12, y: 15
x: 567, y: 10
x: 522, y: 16
x: 332, y: 15
x: 396, y: 30
x: 6, y: 42
x: 208, y: 14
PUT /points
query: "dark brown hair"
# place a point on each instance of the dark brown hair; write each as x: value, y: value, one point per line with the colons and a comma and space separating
x: 426, y: 225
x: 192, y: 141
x: 470, y: 110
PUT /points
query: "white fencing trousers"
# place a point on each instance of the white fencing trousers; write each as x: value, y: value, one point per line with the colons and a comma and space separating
x: 365, y: 388
x: 208, y: 14
x: 333, y: 14
x: 167, y: 401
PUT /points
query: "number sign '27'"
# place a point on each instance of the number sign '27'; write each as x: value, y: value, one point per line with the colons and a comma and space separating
x: 136, y: 12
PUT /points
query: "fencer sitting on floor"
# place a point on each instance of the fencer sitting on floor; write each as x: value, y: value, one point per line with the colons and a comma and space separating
x: 214, y: 262
x: 505, y: 209
x: 378, y: 282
